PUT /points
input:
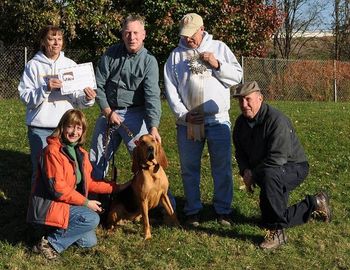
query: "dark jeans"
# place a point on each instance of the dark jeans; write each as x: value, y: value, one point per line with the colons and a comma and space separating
x: 275, y: 184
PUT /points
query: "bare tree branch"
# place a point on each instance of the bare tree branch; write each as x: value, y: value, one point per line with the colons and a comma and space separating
x: 301, y: 16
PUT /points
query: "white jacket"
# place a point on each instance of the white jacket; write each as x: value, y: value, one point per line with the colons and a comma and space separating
x: 216, y: 92
x: 45, y: 108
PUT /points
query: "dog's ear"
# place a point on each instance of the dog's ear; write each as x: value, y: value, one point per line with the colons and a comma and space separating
x: 135, y: 160
x: 161, y: 157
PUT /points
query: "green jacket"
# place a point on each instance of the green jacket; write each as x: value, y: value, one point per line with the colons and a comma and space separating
x: 129, y: 80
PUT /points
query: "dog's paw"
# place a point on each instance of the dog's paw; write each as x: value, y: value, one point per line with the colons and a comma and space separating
x: 110, y: 228
x: 148, y: 237
x: 138, y: 218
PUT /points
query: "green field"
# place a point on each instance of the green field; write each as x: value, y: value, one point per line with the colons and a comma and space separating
x: 323, y: 128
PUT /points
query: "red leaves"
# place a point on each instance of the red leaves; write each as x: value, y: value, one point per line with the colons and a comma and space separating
x: 248, y: 26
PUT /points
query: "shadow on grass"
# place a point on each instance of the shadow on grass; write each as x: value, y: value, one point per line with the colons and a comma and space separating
x: 208, y: 217
x: 15, y: 174
x: 241, y: 223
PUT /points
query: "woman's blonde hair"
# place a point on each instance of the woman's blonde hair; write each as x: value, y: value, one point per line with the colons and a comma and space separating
x: 71, y: 117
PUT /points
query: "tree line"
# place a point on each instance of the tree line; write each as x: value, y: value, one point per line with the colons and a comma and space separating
x: 258, y: 28
x: 244, y: 25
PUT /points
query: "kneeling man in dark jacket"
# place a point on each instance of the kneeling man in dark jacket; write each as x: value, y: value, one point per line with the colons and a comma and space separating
x: 270, y: 155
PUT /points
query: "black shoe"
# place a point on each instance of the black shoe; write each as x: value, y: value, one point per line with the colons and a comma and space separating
x: 322, y: 209
x: 273, y: 239
x: 224, y: 219
x: 192, y: 220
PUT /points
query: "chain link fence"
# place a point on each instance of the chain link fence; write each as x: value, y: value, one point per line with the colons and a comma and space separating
x: 11, y: 67
x: 12, y: 62
x: 299, y: 80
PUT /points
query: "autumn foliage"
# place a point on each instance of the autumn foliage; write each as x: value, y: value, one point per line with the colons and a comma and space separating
x: 245, y: 26
x: 301, y: 79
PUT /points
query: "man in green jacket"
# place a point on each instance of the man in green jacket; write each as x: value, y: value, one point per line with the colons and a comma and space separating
x: 127, y: 92
x: 270, y: 155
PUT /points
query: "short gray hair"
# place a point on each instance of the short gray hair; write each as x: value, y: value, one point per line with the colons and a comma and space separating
x: 133, y: 18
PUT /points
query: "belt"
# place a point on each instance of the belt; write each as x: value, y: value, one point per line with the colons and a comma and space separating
x: 124, y: 107
x: 47, y: 128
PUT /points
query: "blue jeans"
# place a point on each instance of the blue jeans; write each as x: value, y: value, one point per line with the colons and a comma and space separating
x: 37, y: 142
x: 81, y: 230
x: 133, y: 119
x: 218, y: 138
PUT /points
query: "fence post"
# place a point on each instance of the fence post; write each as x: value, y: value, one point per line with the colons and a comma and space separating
x: 25, y: 55
x: 335, y: 80
x: 243, y: 68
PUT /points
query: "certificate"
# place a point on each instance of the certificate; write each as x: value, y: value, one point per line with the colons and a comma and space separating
x: 77, y: 78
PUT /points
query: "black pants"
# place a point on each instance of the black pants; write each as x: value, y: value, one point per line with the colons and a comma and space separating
x: 275, y: 185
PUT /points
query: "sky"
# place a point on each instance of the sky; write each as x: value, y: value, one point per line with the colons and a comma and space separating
x: 325, y: 14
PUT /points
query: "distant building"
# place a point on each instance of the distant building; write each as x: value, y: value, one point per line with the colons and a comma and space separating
x: 316, y: 33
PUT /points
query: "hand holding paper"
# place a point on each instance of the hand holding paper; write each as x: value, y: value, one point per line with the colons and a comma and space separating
x: 89, y: 93
x: 77, y: 78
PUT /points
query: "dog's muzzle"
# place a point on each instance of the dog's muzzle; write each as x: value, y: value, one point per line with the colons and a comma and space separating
x: 150, y: 153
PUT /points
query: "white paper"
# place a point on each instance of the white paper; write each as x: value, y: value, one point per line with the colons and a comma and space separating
x: 77, y: 78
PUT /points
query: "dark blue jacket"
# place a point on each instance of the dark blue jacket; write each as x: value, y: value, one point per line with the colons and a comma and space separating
x: 267, y: 141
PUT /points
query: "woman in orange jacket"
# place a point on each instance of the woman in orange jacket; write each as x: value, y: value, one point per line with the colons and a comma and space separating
x: 59, y: 196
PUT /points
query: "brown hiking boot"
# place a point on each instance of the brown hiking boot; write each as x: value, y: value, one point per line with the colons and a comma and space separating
x: 273, y: 239
x: 43, y: 247
x: 322, y: 209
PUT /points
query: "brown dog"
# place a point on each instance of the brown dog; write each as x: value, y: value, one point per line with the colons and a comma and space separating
x: 147, y: 189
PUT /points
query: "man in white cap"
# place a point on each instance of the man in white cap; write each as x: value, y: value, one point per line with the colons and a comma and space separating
x: 198, y: 75
x: 269, y: 154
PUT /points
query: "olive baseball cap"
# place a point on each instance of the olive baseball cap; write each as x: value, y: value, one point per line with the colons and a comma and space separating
x: 244, y: 89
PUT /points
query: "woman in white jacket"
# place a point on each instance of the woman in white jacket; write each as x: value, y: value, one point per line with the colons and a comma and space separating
x: 39, y: 90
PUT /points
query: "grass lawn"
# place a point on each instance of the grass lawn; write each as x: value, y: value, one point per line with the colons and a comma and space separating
x: 323, y: 128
